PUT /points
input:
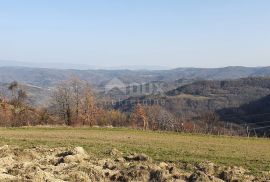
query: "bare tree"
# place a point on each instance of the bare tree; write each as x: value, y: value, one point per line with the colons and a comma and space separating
x: 161, y: 119
x: 63, y: 99
x: 12, y: 87
x: 77, y: 88
x: 210, y: 119
x: 75, y: 102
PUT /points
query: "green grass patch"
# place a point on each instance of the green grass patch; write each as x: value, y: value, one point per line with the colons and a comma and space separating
x: 251, y: 153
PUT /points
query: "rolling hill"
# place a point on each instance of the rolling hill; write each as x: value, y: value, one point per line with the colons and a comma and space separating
x: 44, y: 77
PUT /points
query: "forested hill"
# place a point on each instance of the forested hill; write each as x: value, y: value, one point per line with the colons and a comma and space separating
x: 249, y: 86
x: 224, y: 94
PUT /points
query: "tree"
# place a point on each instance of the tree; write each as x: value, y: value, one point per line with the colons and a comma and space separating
x: 114, y: 118
x: 77, y: 89
x: 210, y: 119
x: 139, y: 118
x: 153, y: 113
x: 5, y: 113
x: 64, y: 102
x: 18, y: 95
x: 75, y: 102
x: 18, y: 107
x: 12, y: 87
x: 21, y: 97
x: 44, y: 116
x: 89, y: 108
x: 161, y: 119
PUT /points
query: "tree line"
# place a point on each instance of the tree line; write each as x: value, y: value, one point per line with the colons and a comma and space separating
x: 75, y: 104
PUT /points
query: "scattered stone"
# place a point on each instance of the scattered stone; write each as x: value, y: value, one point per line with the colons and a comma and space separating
x: 190, y: 167
x: 207, y: 167
x: 79, y: 150
x: 137, y: 157
x: 4, y: 147
x: 235, y: 174
x: 73, y: 159
x: 160, y: 175
x: 62, y: 164
x: 163, y: 165
x: 115, y: 153
x: 120, y: 160
x: 6, y: 161
x: 109, y: 165
x: 7, y: 177
x: 199, y: 176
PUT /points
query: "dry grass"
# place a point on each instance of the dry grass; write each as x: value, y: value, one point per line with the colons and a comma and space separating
x: 250, y: 153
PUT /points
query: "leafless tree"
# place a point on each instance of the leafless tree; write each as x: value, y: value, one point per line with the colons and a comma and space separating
x: 75, y: 102
x: 12, y: 87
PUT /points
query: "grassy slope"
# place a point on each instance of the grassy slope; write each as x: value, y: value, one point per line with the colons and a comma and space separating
x: 251, y: 153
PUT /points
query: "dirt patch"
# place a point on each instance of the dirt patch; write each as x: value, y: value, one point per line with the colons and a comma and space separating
x: 65, y: 164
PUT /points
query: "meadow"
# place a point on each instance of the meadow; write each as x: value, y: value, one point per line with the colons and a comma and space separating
x: 251, y: 153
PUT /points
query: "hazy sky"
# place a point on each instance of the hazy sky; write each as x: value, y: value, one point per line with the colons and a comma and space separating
x: 173, y: 33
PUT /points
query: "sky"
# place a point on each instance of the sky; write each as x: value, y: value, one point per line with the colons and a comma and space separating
x: 113, y: 33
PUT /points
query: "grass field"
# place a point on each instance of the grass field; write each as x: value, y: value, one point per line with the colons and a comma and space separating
x: 251, y: 153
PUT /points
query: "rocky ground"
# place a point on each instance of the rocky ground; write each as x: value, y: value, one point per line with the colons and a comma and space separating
x: 63, y: 164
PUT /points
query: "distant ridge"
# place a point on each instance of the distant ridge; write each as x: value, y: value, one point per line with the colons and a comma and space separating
x: 48, y: 77
x: 59, y: 65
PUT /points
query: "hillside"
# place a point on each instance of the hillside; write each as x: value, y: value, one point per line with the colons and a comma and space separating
x: 226, y: 93
x: 214, y: 94
x: 44, y: 77
x: 255, y: 113
x: 36, y: 96
x: 238, y: 101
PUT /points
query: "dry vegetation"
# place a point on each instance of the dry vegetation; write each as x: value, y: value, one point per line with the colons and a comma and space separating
x: 75, y: 104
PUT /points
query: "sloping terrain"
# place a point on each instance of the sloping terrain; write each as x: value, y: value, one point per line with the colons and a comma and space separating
x: 224, y: 94
x: 242, y: 101
x: 255, y: 113
x: 250, y: 153
x: 201, y: 96
x: 36, y: 96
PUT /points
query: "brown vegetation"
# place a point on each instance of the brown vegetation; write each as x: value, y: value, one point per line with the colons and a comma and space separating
x: 74, y: 104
